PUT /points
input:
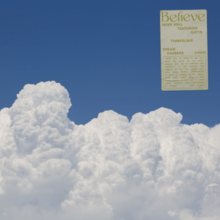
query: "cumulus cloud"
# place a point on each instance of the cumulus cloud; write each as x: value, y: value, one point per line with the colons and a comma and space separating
x: 151, y: 167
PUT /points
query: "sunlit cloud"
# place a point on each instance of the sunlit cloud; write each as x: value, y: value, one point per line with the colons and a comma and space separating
x: 151, y: 167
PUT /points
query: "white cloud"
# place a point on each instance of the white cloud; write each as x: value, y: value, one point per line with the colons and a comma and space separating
x: 152, y: 167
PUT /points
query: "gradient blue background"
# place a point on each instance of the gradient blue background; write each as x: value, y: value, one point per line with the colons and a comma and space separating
x: 105, y: 53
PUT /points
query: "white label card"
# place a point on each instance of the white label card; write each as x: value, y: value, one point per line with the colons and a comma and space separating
x: 184, y: 53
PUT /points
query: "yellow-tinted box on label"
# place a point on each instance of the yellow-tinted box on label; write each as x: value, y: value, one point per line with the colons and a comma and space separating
x: 184, y: 52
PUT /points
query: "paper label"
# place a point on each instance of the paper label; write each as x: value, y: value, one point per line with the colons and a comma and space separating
x: 184, y: 53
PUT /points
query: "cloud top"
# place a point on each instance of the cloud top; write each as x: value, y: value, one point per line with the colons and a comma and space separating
x: 151, y: 167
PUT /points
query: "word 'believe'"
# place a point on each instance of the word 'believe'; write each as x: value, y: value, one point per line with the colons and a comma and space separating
x: 182, y: 17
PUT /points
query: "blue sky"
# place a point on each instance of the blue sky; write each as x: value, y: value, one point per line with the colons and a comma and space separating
x: 105, y: 53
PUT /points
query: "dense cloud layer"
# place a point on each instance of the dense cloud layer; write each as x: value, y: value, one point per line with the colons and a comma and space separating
x: 152, y: 167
